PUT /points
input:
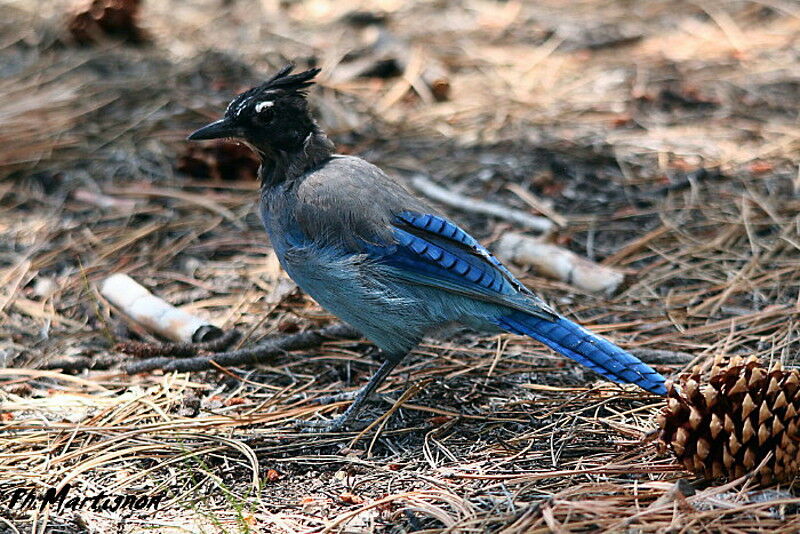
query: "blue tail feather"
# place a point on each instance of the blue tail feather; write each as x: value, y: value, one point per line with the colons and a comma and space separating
x: 586, y: 348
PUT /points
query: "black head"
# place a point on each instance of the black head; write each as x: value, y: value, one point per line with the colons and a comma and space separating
x: 271, y: 116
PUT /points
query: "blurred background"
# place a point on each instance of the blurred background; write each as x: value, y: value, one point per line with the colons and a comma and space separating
x: 659, y: 138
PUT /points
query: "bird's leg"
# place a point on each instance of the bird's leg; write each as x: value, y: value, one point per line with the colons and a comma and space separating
x: 361, y: 398
x: 337, y: 397
x: 374, y: 353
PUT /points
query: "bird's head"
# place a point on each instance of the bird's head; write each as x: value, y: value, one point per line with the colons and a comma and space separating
x: 271, y: 117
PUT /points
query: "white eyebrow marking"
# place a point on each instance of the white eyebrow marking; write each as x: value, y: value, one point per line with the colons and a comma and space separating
x: 262, y: 105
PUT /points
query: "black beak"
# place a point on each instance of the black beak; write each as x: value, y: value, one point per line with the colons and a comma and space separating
x: 215, y: 130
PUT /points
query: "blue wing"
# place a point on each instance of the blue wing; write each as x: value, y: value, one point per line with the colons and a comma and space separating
x: 432, y: 251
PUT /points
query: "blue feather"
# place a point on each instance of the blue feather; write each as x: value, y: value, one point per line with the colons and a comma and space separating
x: 433, y: 225
x: 434, y: 252
x: 586, y: 348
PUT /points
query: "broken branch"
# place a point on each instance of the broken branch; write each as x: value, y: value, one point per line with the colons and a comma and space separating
x: 559, y: 263
x: 260, y: 353
x: 155, y: 314
x: 436, y: 192
x: 179, y: 350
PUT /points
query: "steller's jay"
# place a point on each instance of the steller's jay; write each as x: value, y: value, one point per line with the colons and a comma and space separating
x: 378, y: 257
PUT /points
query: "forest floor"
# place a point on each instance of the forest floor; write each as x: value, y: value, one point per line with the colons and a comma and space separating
x: 661, y: 136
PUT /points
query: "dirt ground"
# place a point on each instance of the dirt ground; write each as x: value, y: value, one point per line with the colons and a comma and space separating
x: 663, y: 135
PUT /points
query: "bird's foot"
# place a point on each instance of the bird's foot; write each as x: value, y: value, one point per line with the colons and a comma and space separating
x: 340, y: 422
x: 360, y: 398
x: 337, y: 424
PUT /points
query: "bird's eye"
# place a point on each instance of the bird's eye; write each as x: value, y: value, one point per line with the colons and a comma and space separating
x: 264, y: 109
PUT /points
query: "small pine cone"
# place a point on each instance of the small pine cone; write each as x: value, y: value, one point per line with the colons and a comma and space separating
x: 725, y: 423
x: 92, y: 21
x: 220, y: 160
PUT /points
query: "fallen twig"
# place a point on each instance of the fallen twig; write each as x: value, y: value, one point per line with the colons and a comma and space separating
x: 135, y: 301
x: 260, y: 353
x: 104, y: 201
x: 79, y: 363
x: 559, y: 263
x: 436, y: 192
x: 663, y: 357
x: 181, y: 350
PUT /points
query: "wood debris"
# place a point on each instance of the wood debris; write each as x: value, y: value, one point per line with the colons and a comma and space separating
x: 135, y: 301
x: 557, y: 262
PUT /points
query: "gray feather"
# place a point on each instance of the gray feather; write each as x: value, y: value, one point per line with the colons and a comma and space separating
x: 349, y: 197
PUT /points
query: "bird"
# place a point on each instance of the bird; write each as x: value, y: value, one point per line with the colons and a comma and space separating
x: 380, y: 258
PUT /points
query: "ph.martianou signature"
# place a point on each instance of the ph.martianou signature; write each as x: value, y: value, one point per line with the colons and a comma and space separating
x: 67, y: 497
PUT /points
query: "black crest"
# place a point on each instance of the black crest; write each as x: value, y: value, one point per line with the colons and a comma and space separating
x: 282, y: 83
x: 290, y: 82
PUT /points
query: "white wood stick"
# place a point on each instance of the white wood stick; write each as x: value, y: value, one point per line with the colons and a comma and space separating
x: 559, y: 263
x: 456, y: 200
x: 104, y: 201
x: 155, y: 314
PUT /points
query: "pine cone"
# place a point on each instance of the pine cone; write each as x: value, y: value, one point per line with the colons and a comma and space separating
x: 92, y: 21
x: 725, y: 427
x: 220, y: 160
